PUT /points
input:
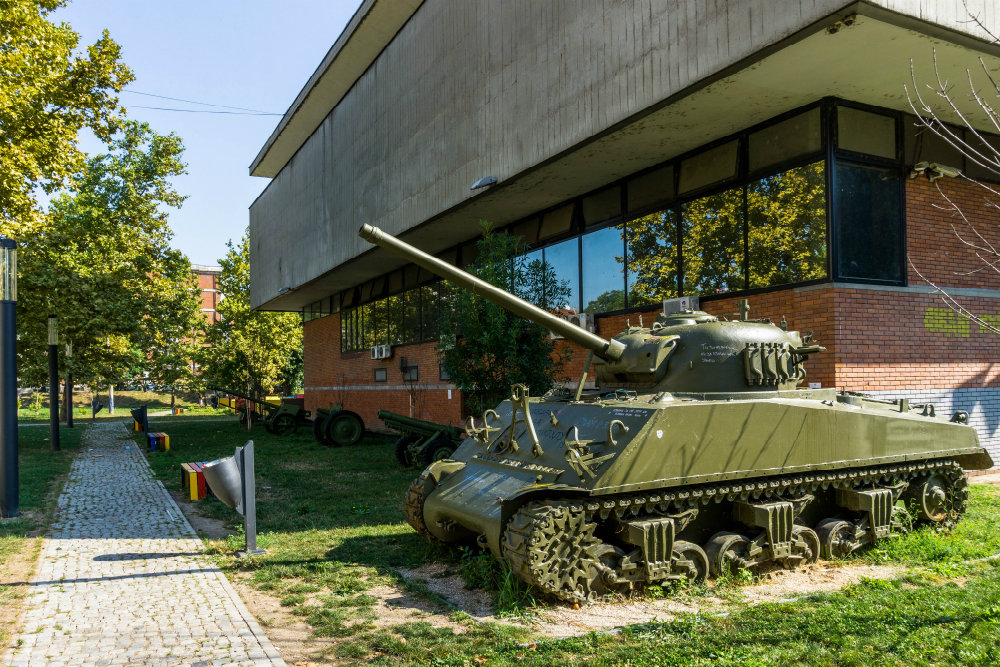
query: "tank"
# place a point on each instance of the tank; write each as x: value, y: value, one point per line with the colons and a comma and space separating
x: 696, y: 455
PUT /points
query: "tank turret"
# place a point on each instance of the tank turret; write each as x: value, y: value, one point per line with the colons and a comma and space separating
x: 690, y: 351
x: 697, y: 456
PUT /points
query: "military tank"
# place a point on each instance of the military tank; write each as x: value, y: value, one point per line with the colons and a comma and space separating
x: 697, y: 455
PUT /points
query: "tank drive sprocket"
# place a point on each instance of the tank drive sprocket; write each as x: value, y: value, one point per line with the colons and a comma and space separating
x: 552, y: 546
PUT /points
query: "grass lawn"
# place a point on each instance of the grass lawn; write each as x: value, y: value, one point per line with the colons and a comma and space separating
x: 42, y: 473
x: 332, y: 523
x: 38, y: 411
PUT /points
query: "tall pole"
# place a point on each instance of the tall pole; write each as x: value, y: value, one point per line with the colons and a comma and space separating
x: 69, y: 385
x: 9, y: 490
x: 54, y: 382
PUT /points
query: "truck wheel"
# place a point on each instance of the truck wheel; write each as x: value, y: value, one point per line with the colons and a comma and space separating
x: 344, y: 428
x: 403, y: 454
x: 437, y: 450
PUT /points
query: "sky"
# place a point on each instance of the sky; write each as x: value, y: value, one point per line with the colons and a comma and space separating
x: 254, y: 54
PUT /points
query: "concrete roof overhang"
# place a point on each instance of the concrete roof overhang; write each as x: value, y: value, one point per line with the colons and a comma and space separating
x: 373, y: 26
x: 868, y: 61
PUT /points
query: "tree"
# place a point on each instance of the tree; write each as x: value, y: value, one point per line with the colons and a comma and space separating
x: 249, y: 350
x: 486, y: 349
x: 49, y: 92
x: 937, y: 102
x: 102, y: 262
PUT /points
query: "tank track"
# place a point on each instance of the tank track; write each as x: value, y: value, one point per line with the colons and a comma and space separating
x: 552, y: 545
x: 626, y: 506
x: 413, y: 504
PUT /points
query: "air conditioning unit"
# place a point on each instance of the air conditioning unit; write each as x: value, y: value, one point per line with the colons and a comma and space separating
x: 381, y: 352
x: 585, y: 321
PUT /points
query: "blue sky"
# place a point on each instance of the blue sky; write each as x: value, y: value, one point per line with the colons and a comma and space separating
x: 255, y: 54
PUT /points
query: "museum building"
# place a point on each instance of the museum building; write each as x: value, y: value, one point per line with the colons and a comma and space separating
x: 759, y: 150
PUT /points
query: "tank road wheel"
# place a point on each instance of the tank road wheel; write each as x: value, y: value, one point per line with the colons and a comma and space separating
x: 805, y: 548
x: 836, y: 538
x: 691, y: 561
x: 727, y: 553
x: 436, y: 451
x: 553, y: 547
x: 939, y: 497
x: 344, y: 428
x: 403, y: 454
x: 284, y: 425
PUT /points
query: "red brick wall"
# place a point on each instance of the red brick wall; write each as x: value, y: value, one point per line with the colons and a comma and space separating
x: 935, y: 232
x: 349, y: 379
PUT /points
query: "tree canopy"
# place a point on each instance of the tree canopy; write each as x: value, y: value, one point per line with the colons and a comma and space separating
x: 248, y: 349
x: 49, y: 91
x: 102, y: 262
x: 486, y: 349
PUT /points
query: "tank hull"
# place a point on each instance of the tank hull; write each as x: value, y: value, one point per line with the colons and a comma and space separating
x: 611, y: 454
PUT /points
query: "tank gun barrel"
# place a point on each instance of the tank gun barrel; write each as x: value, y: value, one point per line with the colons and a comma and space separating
x: 606, y: 349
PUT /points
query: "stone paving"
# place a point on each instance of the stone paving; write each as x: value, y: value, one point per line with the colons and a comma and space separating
x: 121, y: 580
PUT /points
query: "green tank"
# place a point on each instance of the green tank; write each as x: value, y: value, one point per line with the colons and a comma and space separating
x: 696, y: 456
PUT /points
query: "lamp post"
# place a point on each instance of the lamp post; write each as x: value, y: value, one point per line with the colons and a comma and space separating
x: 9, y: 491
x: 54, y: 382
x: 69, y: 385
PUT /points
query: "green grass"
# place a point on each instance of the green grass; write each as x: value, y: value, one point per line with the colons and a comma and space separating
x: 41, y: 473
x: 332, y: 523
x: 32, y: 410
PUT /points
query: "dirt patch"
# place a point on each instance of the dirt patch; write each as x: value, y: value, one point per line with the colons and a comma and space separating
x: 992, y: 478
x: 562, y: 620
x: 213, y: 529
x: 16, y: 572
x: 450, y: 586
x: 291, y: 635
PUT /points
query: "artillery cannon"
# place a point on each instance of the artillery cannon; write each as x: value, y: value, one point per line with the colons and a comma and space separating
x: 282, y: 418
x: 337, y: 427
x: 421, y: 442
x: 695, y: 456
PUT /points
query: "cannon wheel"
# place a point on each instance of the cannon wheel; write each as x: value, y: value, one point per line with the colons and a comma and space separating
x: 437, y: 450
x: 403, y: 454
x: 344, y: 428
x: 283, y: 425
x: 319, y: 433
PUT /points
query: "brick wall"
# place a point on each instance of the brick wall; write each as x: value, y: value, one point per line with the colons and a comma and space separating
x: 935, y: 232
x: 349, y: 379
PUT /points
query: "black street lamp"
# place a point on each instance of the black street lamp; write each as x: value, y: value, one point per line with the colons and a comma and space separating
x: 9, y: 490
x: 54, y: 382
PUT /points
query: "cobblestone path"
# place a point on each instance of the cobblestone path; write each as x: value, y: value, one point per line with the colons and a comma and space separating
x: 121, y: 582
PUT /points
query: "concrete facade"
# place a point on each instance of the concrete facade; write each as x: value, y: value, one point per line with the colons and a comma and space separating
x: 594, y: 90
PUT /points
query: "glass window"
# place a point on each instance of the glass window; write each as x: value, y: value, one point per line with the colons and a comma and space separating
x: 410, y: 323
x: 786, y: 237
x: 564, y: 258
x: 394, y: 320
x: 714, y: 165
x: 652, y: 258
x: 797, y: 136
x: 868, y: 223
x: 603, y: 286
x: 556, y: 222
x: 603, y: 206
x: 712, y: 249
x: 656, y: 187
x: 866, y: 132
x: 432, y: 298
